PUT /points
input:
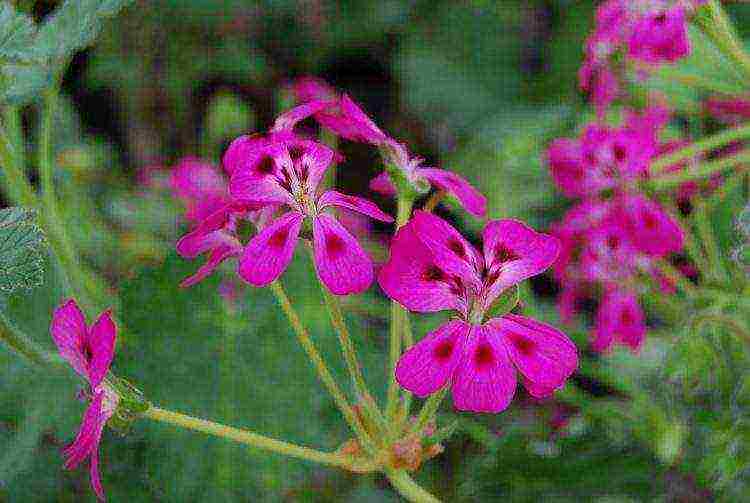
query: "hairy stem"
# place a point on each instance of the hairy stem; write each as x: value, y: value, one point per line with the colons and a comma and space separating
x: 429, y: 409
x: 350, y: 356
x: 701, y: 171
x: 409, y: 489
x: 246, y: 437
x: 676, y: 277
x: 19, y: 342
x: 399, y: 320
x: 698, y: 147
x: 708, y: 239
x: 321, y: 367
x: 18, y: 187
x: 724, y: 35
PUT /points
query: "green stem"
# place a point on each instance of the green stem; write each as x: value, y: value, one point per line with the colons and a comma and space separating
x: 719, y: 319
x: 722, y: 32
x: 698, y: 147
x: 708, y: 239
x: 321, y: 367
x: 409, y: 489
x: 399, y: 319
x: 19, y: 188
x: 19, y: 342
x: 694, y: 253
x: 350, y: 356
x: 701, y: 171
x: 246, y: 437
x: 429, y: 409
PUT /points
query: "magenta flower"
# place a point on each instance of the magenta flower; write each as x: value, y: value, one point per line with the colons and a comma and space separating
x: 619, y: 320
x: 659, y: 35
x: 652, y: 230
x: 421, y: 178
x: 214, y: 216
x: 200, y: 186
x: 89, y: 350
x: 288, y: 173
x: 433, y: 268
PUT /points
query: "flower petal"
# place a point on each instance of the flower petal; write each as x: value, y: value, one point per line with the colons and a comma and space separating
x: 243, y: 153
x: 382, y: 184
x: 543, y: 354
x: 450, y: 250
x: 87, y: 437
x: 653, y: 231
x: 514, y: 252
x: 290, y: 118
x: 485, y: 380
x: 268, y: 254
x: 619, y: 319
x: 200, y: 186
x: 471, y: 199
x: 218, y: 254
x: 68, y: 329
x: 412, y: 277
x: 316, y: 159
x: 359, y: 204
x: 349, y: 121
x: 101, y: 342
x: 428, y: 365
x: 341, y: 263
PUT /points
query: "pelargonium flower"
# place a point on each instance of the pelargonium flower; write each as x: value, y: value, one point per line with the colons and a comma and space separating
x: 433, y: 268
x: 89, y: 350
x: 619, y: 320
x: 659, y: 35
x: 288, y: 174
x: 605, y: 157
x: 212, y: 213
x: 421, y: 178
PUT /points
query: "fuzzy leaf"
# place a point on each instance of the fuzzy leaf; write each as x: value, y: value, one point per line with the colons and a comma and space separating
x: 21, y: 260
x: 16, y: 34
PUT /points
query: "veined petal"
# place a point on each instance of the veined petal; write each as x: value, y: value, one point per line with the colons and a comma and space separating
x: 450, y: 250
x: 341, y: 263
x: 382, y: 184
x: 244, y: 152
x: 316, y: 159
x: 428, y: 365
x: 514, y: 252
x: 101, y: 343
x: 543, y: 354
x: 412, y: 277
x: 470, y: 198
x: 96, y: 482
x: 87, y: 437
x: 358, y: 204
x: 268, y: 254
x: 218, y: 255
x: 619, y: 319
x: 485, y: 380
x: 68, y: 330
x: 652, y: 230
x: 349, y: 121
x: 250, y: 187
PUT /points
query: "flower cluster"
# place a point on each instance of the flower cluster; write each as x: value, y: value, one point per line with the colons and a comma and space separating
x: 641, y: 33
x: 615, y: 234
x: 89, y: 350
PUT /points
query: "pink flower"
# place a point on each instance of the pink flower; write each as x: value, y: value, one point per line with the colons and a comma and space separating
x: 652, y: 230
x: 421, y: 178
x: 659, y: 35
x: 600, y: 82
x: 89, y: 350
x: 433, y: 268
x: 619, y: 320
x: 287, y: 174
x: 202, y: 188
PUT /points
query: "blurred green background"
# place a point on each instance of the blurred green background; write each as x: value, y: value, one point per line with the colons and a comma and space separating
x: 478, y: 87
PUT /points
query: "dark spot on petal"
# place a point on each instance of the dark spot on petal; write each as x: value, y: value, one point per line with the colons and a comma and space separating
x: 88, y: 353
x: 649, y: 221
x: 619, y: 153
x: 661, y: 18
x: 457, y: 286
x: 278, y: 239
x: 266, y: 166
x: 504, y: 254
x: 613, y: 242
x: 444, y: 350
x: 457, y: 247
x: 433, y: 273
x: 296, y: 152
x: 626, y: 317
x: 484, y: 356
x: 334, y: 245
x: 522, y: 344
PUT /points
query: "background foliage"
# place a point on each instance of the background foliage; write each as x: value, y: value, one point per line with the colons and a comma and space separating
x: 478, y: 87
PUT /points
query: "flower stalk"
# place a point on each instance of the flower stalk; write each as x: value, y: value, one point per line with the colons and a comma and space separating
x: 699, y: 147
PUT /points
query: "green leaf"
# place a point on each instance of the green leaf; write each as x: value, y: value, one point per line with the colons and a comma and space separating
x: 504, y: 303
x: 21, y: 260
x: 74, y: 26
x: 17, y: 32
x: 24, y: 83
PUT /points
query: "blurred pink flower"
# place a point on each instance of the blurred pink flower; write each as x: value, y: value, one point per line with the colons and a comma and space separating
x: 619, y: 320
